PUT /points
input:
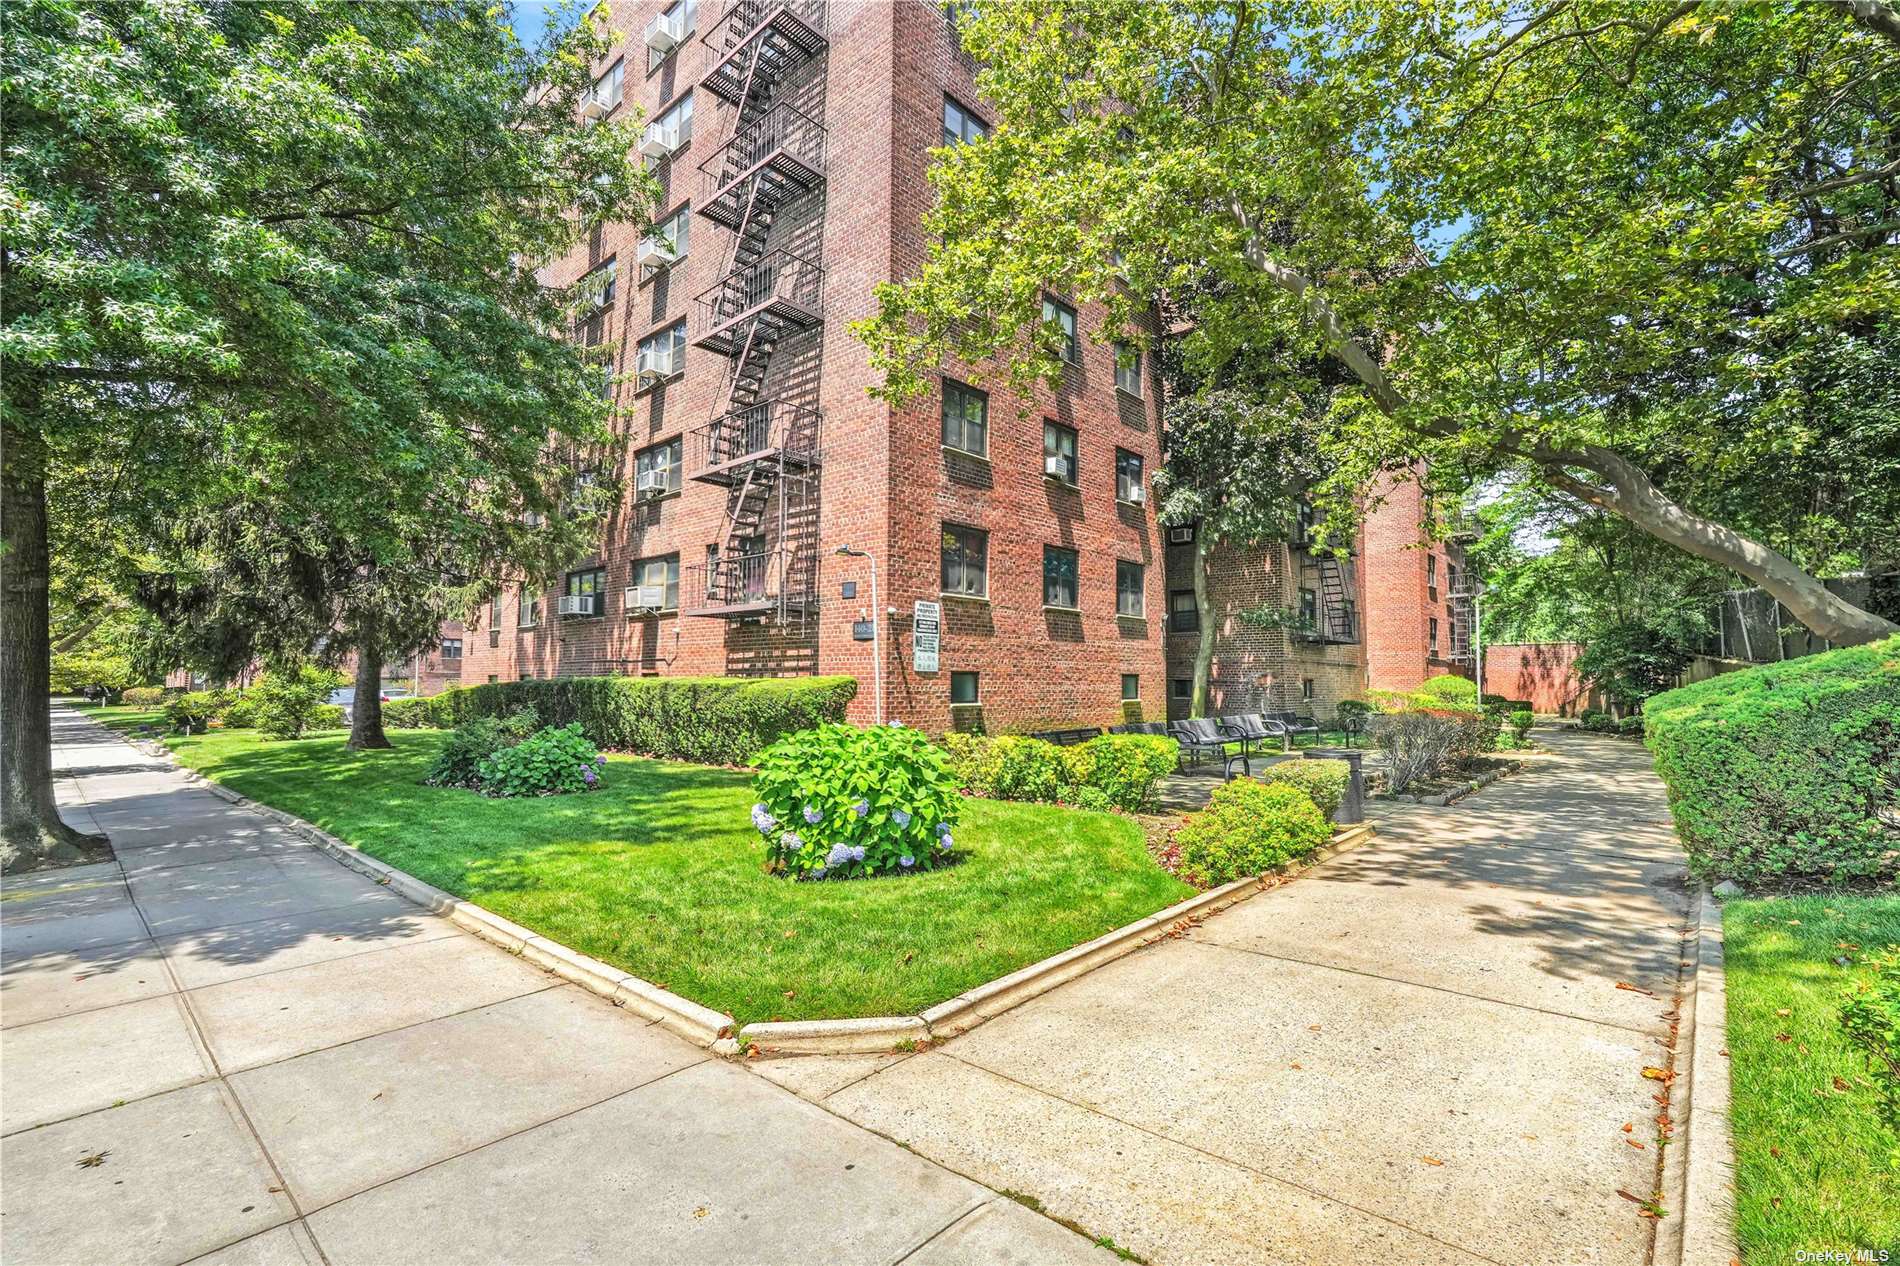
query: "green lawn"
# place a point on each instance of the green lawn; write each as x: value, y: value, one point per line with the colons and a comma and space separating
x: 659, y: 874
x: 1812, y: 1160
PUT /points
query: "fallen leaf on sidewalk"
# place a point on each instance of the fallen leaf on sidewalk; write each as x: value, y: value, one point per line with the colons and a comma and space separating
x: 93, y: 1161
x: 1626, y: 985
x: 1659, y: 1074
x: 1433, y: 1160
x: 1627, y: 1127
x: 1637, y: 1144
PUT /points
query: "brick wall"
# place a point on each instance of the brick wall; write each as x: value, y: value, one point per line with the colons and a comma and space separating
x: 1542, y: 672
x: 1408, y: 582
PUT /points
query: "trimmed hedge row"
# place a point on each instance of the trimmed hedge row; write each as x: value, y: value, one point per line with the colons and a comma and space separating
x: 1788, y: 771
x: 711, y: 720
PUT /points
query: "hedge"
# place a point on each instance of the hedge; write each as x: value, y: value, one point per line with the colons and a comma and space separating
x: 1784, y: 772
x: 712, y: 720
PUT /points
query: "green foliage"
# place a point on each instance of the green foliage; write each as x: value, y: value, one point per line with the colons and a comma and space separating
x: 1354, y: 715
x: 840, y: 802
x: 288, y: 701
x: 1870, y: 1016
x: 550, y: 762
x: 106, y: 667
x: 1325, y: 781
x: 1248, y: 828
x: 1521, y: 721
x: 1630, y: 662
x: 459, y: 760
x: 409, y: 714
x: 1450, y: 689
x: 191, y: 712
x: 1123, y: 768
x: 1790, y: 771
x: 239, y: 712
x: 143, y: 696
x: 712, y: 720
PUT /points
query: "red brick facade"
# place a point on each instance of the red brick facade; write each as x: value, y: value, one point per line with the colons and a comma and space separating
x: 1543, y: 672
x: 882, y: 479
x: 1413, y: 627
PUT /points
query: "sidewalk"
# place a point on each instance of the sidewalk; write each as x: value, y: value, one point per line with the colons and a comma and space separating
x: 225, y: 1047
x: 1418, y: 1053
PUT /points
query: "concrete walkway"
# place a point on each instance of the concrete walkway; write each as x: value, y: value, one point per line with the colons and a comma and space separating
x: 225, y: 1047
x: 1419, y: 1053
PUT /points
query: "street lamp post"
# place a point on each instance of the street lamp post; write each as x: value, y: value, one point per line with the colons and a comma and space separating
x: 877, y: 638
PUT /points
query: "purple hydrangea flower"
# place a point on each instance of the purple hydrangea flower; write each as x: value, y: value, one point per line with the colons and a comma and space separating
x: 945, y: 843
x: 900, y: 817
x: 763, y: 819
x: 601, y: 761
x: 813, y: 814
x: 907, y: 861
x: 857, y: 853
x: 588, y: 774
x: 818, y: 872
x: 790, y: 841
x: 838, y: 856
x: 861, y: 808
x: 896, y: 724
x: 943, y: 828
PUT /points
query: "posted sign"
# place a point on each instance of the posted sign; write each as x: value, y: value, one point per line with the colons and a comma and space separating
x: 926, y: 631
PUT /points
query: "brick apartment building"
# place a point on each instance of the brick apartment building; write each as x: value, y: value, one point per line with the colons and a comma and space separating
x: 792, y: 139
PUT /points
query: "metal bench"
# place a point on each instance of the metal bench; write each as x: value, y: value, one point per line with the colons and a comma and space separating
x: 1204, y: 736
x: 1066, y: 738
x: 1294, y: 723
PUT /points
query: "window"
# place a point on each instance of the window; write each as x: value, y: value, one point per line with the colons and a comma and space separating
x: 678, y: 119
x: 1451, y: 579
x: 598, y: 287
x: 530, y: 613
x: 1431, y: 576
x: 607, y: 88
x: 451, y: 648
x: 661, y: 355
x: 1059, y: 577
x: 662, y: 574
x: 966, y: 561
x: 1130, y: 589
x: 960, y: 127
x: 963, y: 688
x: 1058, y: 452
x: 966, y: 419
x: 1306, y: 689
x: 1128, y: 486
x: 1181, y: 688
x: 656, y: 470
x: 1431, y: 637
x: 1309, y: 609
x: 668, y: 241
x: 492, y: 679
x: 1131, y: 687
x: 1059, y: 318
x: 588, y: 585
x: 1181, y: 534
x: 1303, y: 524
x: 1128, y: 368
x: 494, y: 620
x: 1184, y: 616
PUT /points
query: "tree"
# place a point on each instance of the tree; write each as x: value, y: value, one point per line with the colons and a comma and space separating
x: 275, y: 267
x: 1567, y: 245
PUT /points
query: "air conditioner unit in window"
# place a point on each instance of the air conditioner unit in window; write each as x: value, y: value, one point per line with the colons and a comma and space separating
x: 667, y: 31
x: 574, y: 604
x: 651, y: 483
x: 1055, y: 467
x: 655, y: 252
x: 1138, y: 495
x: 592, y: 107
x: 645, y: 598
x: 660, y: 140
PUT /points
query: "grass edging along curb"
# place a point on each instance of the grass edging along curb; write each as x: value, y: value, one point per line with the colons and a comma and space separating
x: 964, y: 1012
x: 1705, y: 1189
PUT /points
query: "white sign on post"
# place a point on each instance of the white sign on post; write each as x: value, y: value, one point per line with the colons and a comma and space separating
x: 926, y: 630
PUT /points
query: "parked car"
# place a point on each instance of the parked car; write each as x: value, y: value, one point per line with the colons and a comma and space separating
x: 345, y: 697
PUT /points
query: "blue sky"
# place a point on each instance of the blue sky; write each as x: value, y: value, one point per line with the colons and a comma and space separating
x: 531, y: 18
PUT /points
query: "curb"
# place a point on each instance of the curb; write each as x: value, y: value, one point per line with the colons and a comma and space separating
x: 964, y: 1012
x: 1705, y: 1187
x: 1475, y: 785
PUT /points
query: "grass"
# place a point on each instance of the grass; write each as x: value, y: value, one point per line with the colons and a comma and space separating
x: 659, y: 874
x: 1815, y: 1169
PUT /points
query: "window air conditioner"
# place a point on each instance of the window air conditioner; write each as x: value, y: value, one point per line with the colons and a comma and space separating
x: 1055, y: 467
x: 592, y: 107
x: 655, y: 252
x: 667, y: 31
x: 660, y: 140
x: 575, y: 604
x: 645, y: 597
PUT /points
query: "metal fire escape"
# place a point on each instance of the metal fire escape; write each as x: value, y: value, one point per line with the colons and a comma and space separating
x: 763, y: 449
x: 1336, y: 617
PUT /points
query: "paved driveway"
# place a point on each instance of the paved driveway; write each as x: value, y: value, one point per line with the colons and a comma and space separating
x: 1420, y: 1053
x: 225, y: 1047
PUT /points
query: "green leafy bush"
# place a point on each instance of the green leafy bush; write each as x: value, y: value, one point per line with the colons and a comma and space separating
x: 715, y: 720
x: 442, y: 708
x: 1093, y: 799
x: 458, y: 762
x: 1450, y: 688
x: 1870, y: 1016
x: 839, y: 802
x: 1125, y: 768
x: 550, y: 762
x: 1248, y: 828
x: 1324, y: 781
x: 1787, y: 771
x: 240, y: 713
x: 191, y: 712
x: 409, y: 714
x: 1521, y: 721
x: 286, y: 702
x: 1354, y: 715
x: 143, y: 696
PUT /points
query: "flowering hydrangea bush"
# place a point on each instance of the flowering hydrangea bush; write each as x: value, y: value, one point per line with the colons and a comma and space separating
x: 840, y: 802
x: 556, y: 760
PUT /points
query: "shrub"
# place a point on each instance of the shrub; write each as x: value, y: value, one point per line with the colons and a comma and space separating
x: 328, y: 716
x: 143, y: 696
x: 239, y: 714
x: 1449, y: 688
x: 837, y: 801
x: 1419, y: 742
x: 458, y: 762
x: 191, y: 712
x: 442, y: 708
x: 1521, y: 721
x: 1354, y: 715
x: 1870, y: 1016
x: 1124, y: 768
x: 409, y: 714
x: 1010, y: 766
x: 550, y: 762
x: 1787, y: 771
x: 286, y: 702
x: 1248, y: 828
x: 717, y: 720
x: 1324, y: 781
x: 1093, y: 799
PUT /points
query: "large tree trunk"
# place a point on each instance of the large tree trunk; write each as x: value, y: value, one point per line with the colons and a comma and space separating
x: 366, y: 717
x: 32, y: 836
x: 1625, y: 490
x: 1204, y: 616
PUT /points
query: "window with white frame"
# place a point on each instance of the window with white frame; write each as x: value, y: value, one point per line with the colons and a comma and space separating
x: 667, y: 242
x: 1128, y: 470
x: 678, y: 119
x: 657, y: 470
x: 1128, y: 368
x: 683, y: 17
x: 598, y: 286
x: 607, y: 88
x: 662, y: 355
x: 529, y: 613
x: 661, y: 577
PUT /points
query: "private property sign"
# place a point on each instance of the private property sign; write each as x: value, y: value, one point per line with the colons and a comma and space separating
x: 926, y: 629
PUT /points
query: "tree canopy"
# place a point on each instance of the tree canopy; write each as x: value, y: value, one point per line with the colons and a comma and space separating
x: 1644, y: 255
